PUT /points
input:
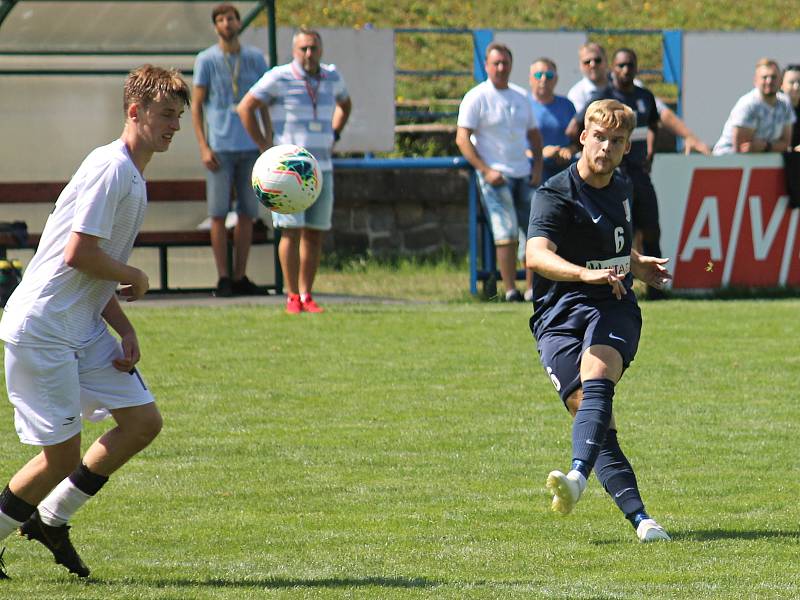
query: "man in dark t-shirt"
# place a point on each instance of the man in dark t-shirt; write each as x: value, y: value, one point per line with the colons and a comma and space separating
x: 636, y: 164
x: 586, y: 320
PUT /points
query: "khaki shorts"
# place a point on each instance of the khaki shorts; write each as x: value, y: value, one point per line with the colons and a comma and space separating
x: 53, y: 387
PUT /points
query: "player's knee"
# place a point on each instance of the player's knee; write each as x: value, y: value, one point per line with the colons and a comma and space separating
x: 147, y: 428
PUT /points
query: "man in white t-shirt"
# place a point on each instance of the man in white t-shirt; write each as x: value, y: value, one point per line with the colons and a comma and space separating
x: 761, y: 120
x: 61, y: 362
x: 496, y: 127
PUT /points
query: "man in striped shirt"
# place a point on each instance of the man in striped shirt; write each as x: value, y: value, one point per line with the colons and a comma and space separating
x: 309, y: 106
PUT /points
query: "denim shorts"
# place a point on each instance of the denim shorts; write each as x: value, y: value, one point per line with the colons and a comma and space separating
x: 235, y: 170
x: 507, y: 207
x: 317, y: 216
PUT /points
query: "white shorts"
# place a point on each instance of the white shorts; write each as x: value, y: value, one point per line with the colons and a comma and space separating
x: 53, y: 387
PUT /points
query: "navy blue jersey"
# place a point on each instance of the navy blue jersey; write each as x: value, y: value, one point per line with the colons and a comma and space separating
x: 643, y: 103
x: 590, y: 227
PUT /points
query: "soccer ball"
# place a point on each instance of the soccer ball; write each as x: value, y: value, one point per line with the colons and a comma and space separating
x: 286, y: 179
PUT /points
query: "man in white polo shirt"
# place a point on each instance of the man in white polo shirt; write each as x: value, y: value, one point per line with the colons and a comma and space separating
x: 309, y: 106
x: 496, y: 126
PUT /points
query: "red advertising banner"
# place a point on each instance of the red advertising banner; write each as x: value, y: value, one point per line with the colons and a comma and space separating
x: 726, y: 221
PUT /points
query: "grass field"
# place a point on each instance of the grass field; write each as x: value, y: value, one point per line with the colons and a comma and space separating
x: 400, y: 452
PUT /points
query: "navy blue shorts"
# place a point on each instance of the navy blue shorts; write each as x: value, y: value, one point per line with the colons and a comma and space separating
x: 615, y: 323
x: 645, y: 202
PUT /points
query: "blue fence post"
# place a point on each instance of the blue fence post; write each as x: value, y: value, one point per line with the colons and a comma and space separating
x: 473, y: 233
x: 481, y: 38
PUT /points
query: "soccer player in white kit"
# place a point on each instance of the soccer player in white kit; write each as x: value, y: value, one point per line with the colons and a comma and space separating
x: 61, y: 362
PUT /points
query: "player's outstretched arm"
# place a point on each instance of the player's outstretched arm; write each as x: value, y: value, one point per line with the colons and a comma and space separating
x: 650, y: 269
x: 540, y: 255
x: 84, y: 253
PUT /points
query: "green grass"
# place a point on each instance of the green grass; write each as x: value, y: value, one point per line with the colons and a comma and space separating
x: 400, y: 452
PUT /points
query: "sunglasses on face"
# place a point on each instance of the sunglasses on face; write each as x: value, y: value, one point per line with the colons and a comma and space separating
x: 545, y: 74
x: 596, y: 61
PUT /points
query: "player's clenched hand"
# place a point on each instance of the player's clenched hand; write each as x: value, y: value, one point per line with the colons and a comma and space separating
x: 130, y: 353
x: 605, y: 277
x: 651, y: 270
x: 136, y: 288
x: 209, y: 159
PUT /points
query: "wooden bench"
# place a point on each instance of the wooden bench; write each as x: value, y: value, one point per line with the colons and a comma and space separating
x: 164, y: 240
x: 157, y: 191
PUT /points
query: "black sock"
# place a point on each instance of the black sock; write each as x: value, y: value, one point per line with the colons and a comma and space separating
x: 616, y: 475
x: 15, y: 507
x: 591, y: 421
x: 86, y: 481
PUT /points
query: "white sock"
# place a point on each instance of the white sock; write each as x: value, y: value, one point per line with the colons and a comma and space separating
x: 60, y: 504
x: 576, y: 475
x: 7, y: 525
x: 304, y: 296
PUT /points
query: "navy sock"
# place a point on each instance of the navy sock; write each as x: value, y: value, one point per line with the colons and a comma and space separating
x: 591, y: 422
x: 616, y: 475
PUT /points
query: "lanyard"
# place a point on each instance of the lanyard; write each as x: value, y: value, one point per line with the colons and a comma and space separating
x: 312, y: 91
x: 234, y: 71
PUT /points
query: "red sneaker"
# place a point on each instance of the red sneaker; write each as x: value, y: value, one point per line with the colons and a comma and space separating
x: 293, y: 304
x: 310, y: 306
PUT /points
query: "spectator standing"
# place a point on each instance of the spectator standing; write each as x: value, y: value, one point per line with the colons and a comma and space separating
x: 222, y: 74
x: 791, y: 88
x: 762, y: 119
x: 309, y: 106
x: 636, y: 164
x: 553, y: 113
x: 496, y: 127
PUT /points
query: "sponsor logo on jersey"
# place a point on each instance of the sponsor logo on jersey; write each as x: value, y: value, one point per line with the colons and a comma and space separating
x: 620, y: 264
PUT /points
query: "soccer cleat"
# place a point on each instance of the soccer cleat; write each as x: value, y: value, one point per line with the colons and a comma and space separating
x: 3, y: 574
x: 293, y: 304
x: 514, y: 296
x: 310, y: 306
x: 55, y: 539
x: 566, y: 490
x: 650, y: 531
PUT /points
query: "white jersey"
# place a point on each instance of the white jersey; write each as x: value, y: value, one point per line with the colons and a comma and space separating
x: 56, y: 304
x: 500, y: 121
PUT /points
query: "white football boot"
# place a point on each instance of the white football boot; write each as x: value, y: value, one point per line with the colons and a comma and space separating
x: 650, y: 531
x: 566, y: 490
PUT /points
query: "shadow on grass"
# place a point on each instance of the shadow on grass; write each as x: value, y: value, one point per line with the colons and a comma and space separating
x: 282, y: 582
x: 705, y: 535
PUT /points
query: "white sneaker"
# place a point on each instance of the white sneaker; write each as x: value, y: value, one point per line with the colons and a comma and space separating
x: 566, y: 490
x: 650, y: 531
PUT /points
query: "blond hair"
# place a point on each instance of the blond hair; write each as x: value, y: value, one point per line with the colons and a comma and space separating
x: 147, y: 83
x: 610, y: 114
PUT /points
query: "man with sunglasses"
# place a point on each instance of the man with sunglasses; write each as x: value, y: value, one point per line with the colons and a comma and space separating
x: 553, y: 114
x: 761, y: 120
x: 636, y: 164
x: 594, y: 66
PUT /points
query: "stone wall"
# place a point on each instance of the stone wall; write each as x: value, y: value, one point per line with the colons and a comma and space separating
x: 399, y: 212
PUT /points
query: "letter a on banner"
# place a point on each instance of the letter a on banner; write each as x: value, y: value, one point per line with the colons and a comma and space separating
x: 706, y: 228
